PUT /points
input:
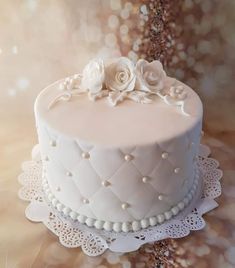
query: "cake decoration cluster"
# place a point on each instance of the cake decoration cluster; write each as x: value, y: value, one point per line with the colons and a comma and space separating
x: 119, y: 79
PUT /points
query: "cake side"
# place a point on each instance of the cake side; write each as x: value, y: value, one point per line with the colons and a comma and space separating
x: 119, y: 168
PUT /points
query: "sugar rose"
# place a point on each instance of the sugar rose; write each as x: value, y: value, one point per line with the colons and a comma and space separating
x: 93, y: 76
x: 120, y: 75
x: 150, y: 76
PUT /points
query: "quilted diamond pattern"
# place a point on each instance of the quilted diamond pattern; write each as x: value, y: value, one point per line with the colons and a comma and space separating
x: 83, y: 171
x: 101, y: 158
x: 63, y: 155
x: 146, y: 152
x: 121, y: 180
x: 106, y: 207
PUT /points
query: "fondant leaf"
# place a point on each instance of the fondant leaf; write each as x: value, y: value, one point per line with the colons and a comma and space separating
x: 140, y: 97
x: 115, y: 97
x: 99, y: 95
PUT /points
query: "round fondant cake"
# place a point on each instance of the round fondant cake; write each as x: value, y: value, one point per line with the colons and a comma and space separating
x: 119, y: 144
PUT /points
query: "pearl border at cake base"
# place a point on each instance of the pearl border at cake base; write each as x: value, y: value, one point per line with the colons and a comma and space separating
x: 95, y: 242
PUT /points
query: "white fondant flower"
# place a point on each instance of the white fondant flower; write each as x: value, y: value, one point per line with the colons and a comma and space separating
x: 139, y: 97
x: 93, y: 76
x: 150, y: 76
x: 177, y: 92
x: 120, y: 76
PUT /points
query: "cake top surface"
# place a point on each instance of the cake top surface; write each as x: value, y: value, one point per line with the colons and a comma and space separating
x: 127, y: 111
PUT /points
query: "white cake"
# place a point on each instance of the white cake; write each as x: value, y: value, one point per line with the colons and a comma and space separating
x: 119, y: 144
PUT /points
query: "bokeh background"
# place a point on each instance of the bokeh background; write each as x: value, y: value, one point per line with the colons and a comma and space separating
x: 45, y: 40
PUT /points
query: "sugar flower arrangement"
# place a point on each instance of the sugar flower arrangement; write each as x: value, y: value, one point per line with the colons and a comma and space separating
x: 119, y: 79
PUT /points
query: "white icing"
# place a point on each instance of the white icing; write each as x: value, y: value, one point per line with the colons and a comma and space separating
x: 86, y: 155
x: 165, y: 155
x: 66, y: 211
x: 53, y: 143
x: 93, y: 76
x: 81, y: 218
x: 105, y: 183
x: 108, y: 226
x: 90, y: 222
x: 160, y: 218
x: 118, y: 79
x: 144, y: 223
x: 175, y: 210
x: 136, y: 226
x: 177, y: 170
x: 69, y: 174
x: 99, y: 224
x: 150, y: 76
x: 122, y: 226
x: 96, y: 143
x: 152, y: 221
x: 145, y: 179
x: 117, y: 227
x: 140, y: 124
x: 168, y: 215
x: 126, y: 227
x: 128, y: 157
x: 120, y: 75
x: 125, y: 206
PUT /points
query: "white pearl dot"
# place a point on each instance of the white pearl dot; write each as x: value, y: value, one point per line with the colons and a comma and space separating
x: 68, y: 173
x: 66, y: 211
x: 186, y: 200
x: 53, y: 143
x: 168, y: 215
x: 190, y: 196
x: 59, y: 207
x: 125, y: 227
x: 105, y: 183
x: 160, y: 197
x: 85, y: 201
x: 175, y: 210
x: 117, y: 227
x: 125, y: 206
x: 50, y: 196
x: 46, y: 158
x: 108, y: 226
x: 81, y: 218
x: 181, y: 205
x: 99, y: 224
x: 144, y: 223
x: 85, y: 155
x: 128, y: 157
x: 54, y: 202
x: 136, y: 226
x: 57, y: 188
x: 73, y: 215
x: 177, y: 170
x: 62, y: 86
x: 90, y: 222
x: 160, y: 218
x: 152, y: 221
x: 165, y: 155
x: 145, y: 179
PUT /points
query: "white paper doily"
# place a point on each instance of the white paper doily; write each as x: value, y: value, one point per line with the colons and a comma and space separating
x: 94, y: 242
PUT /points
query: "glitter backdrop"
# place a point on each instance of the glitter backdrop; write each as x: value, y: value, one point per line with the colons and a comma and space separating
x: 42, y: 41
